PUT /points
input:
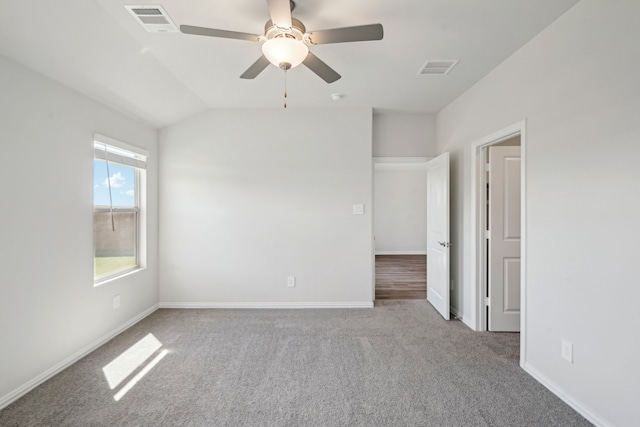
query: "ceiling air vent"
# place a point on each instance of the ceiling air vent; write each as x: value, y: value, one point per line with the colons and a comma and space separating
x: 438, y: 66
x: 153, y: 18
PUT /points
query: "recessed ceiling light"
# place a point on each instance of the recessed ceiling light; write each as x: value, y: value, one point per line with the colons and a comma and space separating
x: 337, y: 96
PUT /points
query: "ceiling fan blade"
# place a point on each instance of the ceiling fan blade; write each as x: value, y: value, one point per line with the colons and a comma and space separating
x: 280, y: 11
x: 255, y: 69
x: 360, y: 33
x: 323, y: 71
x: 211, y: 32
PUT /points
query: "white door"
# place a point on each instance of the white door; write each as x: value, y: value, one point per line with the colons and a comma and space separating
x: 438, y: 234
x: 504, y: 239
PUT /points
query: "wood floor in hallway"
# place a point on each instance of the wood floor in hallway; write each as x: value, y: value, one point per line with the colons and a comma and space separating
x: 401, y: 277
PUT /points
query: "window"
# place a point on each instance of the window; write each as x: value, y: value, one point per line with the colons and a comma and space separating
x: 118, y: 175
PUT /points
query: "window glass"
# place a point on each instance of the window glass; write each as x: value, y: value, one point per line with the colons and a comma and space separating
x: 123, y: 184
x: 115, y: 218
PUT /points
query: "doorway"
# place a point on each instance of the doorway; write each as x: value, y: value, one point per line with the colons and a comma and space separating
x: 479, y: 267
x: 400, y: 228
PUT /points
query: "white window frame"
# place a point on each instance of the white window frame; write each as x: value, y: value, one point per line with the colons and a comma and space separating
x: 125, y: 154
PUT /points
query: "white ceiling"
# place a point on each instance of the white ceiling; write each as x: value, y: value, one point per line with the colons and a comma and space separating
x: 97, y: 48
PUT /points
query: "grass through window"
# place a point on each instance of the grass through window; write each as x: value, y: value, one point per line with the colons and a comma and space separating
x: 107, y: 266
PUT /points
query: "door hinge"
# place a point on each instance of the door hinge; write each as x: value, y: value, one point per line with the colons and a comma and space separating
x: 487, y: 234
x: 487, y: 167
x: 487, y: 301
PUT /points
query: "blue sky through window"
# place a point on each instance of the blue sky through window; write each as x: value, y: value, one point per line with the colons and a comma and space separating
x: 123, y: 184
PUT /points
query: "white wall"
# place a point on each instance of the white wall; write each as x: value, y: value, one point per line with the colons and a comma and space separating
x: 249, y: 197
x: 400, y: 208
x: 577, y: 86
x: 398, y: 134
x: 49, y: 308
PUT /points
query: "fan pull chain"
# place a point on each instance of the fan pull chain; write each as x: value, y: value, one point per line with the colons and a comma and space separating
x: 285, y: 88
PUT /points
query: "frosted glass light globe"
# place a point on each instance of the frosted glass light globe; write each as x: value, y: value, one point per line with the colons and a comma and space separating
x: 285, y: 50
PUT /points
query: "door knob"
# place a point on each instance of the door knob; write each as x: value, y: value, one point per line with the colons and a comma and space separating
x: 445, y: 244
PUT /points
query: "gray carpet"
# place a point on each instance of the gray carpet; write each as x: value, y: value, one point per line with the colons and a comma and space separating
x: 398, y: 364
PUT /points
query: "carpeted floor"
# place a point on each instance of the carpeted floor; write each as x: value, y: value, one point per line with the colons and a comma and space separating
x: 398, y: 364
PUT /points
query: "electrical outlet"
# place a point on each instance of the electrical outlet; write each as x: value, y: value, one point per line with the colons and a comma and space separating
x: 291, y: 281
x: 358, y: 209
x: 567, y: 351
x: 116, y: 302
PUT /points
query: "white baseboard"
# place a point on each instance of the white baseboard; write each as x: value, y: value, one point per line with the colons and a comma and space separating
x: 401, y: 252
x: 354, y: 304
x: 580, y: 407
x: 30, y: 385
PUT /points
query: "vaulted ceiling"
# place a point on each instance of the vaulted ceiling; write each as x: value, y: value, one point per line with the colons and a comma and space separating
x: 97, y: 48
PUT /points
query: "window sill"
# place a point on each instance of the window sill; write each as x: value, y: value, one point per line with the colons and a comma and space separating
x: 100, y: 282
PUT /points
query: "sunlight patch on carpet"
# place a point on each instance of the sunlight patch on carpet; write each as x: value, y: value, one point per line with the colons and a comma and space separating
x: 124, y: 365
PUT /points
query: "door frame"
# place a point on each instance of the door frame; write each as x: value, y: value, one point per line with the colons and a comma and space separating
x: 478, y: 203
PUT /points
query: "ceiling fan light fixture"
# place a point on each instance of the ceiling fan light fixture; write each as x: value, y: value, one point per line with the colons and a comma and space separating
x: 285, y: 52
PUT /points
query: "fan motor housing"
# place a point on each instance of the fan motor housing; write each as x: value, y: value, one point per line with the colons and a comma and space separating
x: 297, y: 30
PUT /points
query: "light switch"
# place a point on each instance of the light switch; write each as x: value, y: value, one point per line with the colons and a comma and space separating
x: 358, y: 209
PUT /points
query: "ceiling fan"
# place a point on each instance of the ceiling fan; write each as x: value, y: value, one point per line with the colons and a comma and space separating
x: 286, y: 41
